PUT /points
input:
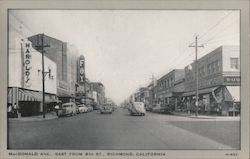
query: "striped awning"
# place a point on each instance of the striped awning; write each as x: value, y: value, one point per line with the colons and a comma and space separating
x: 29, y: 95
x: 26, y: 95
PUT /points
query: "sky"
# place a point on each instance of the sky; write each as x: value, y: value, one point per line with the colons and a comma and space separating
x: 124, y: 48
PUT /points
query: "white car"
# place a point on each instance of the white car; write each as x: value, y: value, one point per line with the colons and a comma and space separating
x: 137, y: 108
x: 82, y: 108
x: 67, y: 109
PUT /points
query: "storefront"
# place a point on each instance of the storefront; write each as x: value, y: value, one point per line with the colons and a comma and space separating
x: 25, y: 80
x: 221, y: 100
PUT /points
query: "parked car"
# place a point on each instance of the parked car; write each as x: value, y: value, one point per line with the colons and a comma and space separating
x: 106, y: 109
x: 83, y: 108
x: 90, y: 108
x: 137, y: 108
x: 161, y: 109
x: 148, y: 108
x: 68, y: 109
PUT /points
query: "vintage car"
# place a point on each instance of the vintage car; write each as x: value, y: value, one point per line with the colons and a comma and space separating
x: 82, y: 108
x: 90, y: 108
x: 67, y: 109
x: 161, y: 109
x: 106, y: 109
x: 137, y: 108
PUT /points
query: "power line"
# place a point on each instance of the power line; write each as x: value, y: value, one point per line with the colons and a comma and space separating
x: 221, y: 32
x: 216, y: 24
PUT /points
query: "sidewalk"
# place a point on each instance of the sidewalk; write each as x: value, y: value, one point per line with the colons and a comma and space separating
x: 48, y: 116
x: 200, y: 116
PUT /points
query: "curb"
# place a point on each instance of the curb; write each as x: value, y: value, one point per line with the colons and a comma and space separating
x: 31, y: 119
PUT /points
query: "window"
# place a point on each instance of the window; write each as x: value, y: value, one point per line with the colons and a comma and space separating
x: 234, y: 63
x: 217, y: 66
x: 209, y: 68
x: 172, y: 81
x: 213, y: 67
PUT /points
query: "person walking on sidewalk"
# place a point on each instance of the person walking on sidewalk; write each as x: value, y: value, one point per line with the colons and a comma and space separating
x: 10, y: 111
x: 15, y: 109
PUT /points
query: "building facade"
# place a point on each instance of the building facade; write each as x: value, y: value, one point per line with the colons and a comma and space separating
x: 218, y: 82
x: 25, y: 79
x: 170, y: 88
x: 25, y: 72
x: 99, y: 92
x: 65, y: 56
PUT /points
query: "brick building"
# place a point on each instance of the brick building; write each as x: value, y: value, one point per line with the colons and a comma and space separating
x: 218, y: 82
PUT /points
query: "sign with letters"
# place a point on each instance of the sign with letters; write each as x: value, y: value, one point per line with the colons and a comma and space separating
x: 81, y: 70
x: 27, y: 57
x: 232, y: 80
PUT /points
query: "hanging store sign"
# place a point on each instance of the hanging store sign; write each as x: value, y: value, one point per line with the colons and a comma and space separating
x: 27, y: 64
x: 81, y: 73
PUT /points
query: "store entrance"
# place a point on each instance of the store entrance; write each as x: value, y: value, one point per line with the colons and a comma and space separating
x: 29, y: 108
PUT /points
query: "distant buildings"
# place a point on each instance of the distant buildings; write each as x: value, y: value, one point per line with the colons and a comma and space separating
x: 170, y: 88
x: 98, y: 90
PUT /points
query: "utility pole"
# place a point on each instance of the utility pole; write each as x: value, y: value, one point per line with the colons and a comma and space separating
x: 43, y: 73
x: 196, y: 74
x: 152, y: 91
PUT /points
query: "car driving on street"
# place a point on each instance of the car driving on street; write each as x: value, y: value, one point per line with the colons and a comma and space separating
x: 137, y: 108
x: 106, y: 109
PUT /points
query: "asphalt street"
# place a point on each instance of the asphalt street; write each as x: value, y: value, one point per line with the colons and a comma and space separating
x: 120, y: 131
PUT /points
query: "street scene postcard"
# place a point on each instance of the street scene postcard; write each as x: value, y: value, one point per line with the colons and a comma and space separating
x: 123, y: 83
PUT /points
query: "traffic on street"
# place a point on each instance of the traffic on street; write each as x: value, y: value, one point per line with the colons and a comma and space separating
x: 120, y: 130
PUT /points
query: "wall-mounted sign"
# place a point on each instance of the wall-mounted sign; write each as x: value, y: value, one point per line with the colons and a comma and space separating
x: 232, y: 80
x: 81, y: 70
x: 27, y: 64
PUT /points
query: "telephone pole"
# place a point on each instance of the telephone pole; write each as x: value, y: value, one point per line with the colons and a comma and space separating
x: 43, y: 73
x: 196, y: 74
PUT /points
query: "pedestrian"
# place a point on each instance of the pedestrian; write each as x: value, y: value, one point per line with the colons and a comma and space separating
x: 15, y: 110
x: 56, y: 109
x: 188, y: 107
x: 10, y: 111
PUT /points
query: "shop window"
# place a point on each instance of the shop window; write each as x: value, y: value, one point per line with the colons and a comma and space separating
x: 234, y: 63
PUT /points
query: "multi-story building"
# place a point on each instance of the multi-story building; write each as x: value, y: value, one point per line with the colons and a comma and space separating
x: 65, y: 56
x: 25, y: 72
x: 98, y: 90
x: 170, y: 88
x: 152, y: 90
x: 218, y: 81
x: 144, y: 95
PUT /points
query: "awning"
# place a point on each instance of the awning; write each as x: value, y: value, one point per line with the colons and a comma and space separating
x: 200, y: 91
x: 10, y: 95
x: 27, y: 95
x: 235, y: 92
